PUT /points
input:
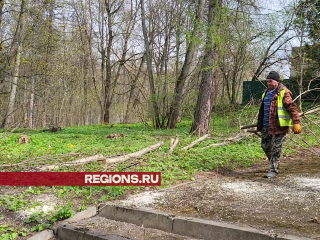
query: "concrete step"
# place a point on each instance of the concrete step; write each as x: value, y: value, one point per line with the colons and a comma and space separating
x: 187, y: 226
x: 97, y: 228
x: 114, y: 222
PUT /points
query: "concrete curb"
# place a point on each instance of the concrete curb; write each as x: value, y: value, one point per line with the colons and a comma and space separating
x: 191, y: 227
x: 70, y: 232
x: 88, y: 213
x: 44, y: 235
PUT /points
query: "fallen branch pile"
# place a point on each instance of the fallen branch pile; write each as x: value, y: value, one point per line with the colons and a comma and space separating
x: 299, y: 141
x: 300, y: 114
x: 196, y: 142
x: 228, y: 141
x: 173, y: 144
x: 105, y: 160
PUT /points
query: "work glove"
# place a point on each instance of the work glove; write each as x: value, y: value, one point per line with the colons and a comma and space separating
x: 296, y: 128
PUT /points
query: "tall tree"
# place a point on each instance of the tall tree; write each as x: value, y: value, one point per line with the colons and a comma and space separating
x: 185, y: 71
x: 2, y: 56
x: 156, y: 112
x: 236, y: 58
x: 202, y: 114
x: 17, y: 45
x: 308, y: 27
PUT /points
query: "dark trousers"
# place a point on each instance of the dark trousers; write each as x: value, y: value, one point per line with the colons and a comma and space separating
x: 272, y: 146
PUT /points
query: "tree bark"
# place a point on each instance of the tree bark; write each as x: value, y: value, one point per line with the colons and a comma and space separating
x: 133, y: 95
x: 156, y: 112
x: 191, y: 50
x: 107, y: 86
x: 18, y: 37
x: 31, y: 109
x: 202, y: 114
x: 2, y: 58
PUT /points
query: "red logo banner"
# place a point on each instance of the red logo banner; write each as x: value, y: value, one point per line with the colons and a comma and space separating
x: 80, y: 179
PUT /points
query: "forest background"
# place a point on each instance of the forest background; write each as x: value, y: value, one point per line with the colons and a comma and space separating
x: 87, y: 62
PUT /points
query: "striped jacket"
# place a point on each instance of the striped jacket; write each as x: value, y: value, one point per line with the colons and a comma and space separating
x: 290, y: 106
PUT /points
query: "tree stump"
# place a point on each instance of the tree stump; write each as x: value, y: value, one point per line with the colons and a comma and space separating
x: 24, y: 139
x: 54, y: 128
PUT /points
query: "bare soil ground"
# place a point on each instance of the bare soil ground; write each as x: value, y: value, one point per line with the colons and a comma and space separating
x: 287, y: 204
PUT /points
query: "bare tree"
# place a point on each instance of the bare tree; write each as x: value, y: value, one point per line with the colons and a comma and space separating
x: 2, y: 57
x: 276, y: 39
x: 202, y: 114
x: 189, y: 57
x: 17, y: 44
x: 156, y: 112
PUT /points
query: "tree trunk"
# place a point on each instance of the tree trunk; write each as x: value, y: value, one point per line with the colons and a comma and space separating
x: 132, y: 96
x: 202, y: 115
x: 31, y: 121
x: 2, y: 57
x: 191, y: 50
x: 18, y: 38
x: 156, y: 112
x: 107, y: 86
x: 102, y: 51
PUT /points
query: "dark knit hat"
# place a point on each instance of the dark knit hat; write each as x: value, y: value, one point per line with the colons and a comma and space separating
x: 274, y: 75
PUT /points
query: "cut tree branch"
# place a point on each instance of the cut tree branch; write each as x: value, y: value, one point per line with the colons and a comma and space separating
x: 132, y: 155
x: 81, y: 161
x: 228, y: 141
x: 173, y: 144
x: 196, y: 142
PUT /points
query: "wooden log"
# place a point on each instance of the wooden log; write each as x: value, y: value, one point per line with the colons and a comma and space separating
x: 124, y: 158
x: 217, y: 144
x: 227, y: 141
x: 309, y: 112
x: 248, y: 126
x: 81, y: 161
x: 254, y: 131
x: 196, y: 142
x: 173, y: 144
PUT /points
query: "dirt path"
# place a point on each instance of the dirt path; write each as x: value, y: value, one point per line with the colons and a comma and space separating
x: 287, y: 204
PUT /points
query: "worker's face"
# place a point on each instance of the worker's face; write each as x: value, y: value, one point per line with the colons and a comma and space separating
x: 272, y: 84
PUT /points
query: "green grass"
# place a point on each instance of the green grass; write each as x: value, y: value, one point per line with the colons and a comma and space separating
x: 91, y: 140
x: 180, y: 165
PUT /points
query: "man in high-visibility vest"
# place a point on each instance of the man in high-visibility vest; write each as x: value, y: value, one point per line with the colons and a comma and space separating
x: 277, y: 113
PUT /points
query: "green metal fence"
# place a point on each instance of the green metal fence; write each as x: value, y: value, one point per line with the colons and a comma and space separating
x: 252, y: 90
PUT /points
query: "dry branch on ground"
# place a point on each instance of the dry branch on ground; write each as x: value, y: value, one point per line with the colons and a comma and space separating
x: 132, y: 155
x: 228, y: 141
x: 196, y: 142
x: 98, y: 157
x: 173, y: 144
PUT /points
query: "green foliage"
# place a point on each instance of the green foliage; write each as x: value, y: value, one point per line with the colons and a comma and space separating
x: 10, y: 233
x: 34, y: 191
x: 83, y: 206
x: 41, y: 227
x: 13, y: 203
x: 180, y: 165
x: 63, y: 213
x: 36, y: 217
x: 307, y: 23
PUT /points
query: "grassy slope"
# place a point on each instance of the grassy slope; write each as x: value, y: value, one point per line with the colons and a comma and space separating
x: 91, y: 140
